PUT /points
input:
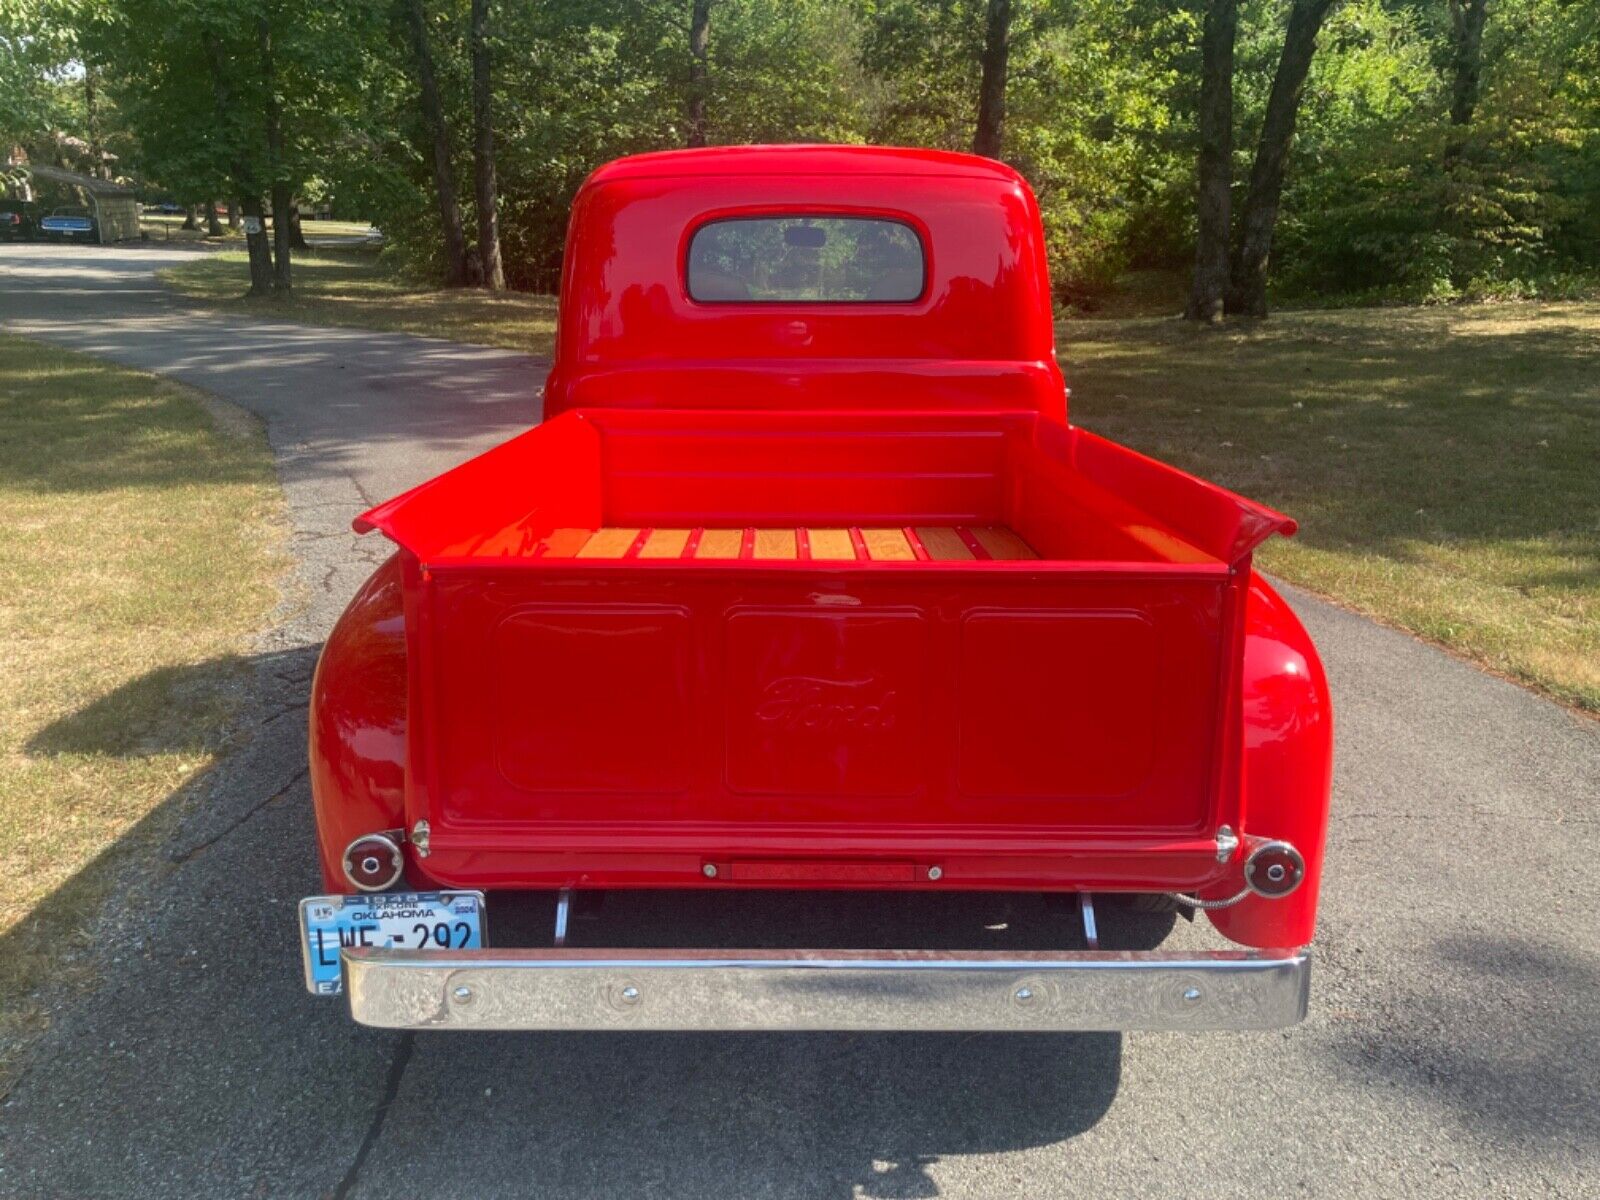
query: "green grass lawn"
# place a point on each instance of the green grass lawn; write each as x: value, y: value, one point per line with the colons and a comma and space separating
x: 1444, y: 462
x: 355, y: 287
x: 162, y: 227
x: 140, y: 546
x: 168, y: 227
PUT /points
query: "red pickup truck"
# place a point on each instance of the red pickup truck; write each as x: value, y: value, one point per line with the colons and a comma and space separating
x: 806, y: 581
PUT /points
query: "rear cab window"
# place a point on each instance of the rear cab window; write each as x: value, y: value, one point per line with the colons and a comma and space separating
x: 805, y: 259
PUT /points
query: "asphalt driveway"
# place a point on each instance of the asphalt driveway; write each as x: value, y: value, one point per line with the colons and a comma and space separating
x: 1453, y: 1047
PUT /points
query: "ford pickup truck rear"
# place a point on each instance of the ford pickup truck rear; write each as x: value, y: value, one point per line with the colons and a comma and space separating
x: 814, y: 591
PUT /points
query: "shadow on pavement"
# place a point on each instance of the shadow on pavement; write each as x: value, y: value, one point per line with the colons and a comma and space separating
x: 818, y: 1115
x: 1542, y: 1089
x: 198, y: 1056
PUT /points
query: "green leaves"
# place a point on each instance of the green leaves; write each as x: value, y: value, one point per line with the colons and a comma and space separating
x: 1100, y: 115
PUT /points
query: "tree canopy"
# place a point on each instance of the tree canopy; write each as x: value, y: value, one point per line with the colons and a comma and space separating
x: 1431, y: 145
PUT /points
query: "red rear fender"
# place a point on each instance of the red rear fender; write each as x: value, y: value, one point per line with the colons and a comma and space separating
x: 358, y: 722
x: 1288, y: 765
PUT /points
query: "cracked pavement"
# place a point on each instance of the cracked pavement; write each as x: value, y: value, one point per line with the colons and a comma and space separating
x: 1453, y: 1046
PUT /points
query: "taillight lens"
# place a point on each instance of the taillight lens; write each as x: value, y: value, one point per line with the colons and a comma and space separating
x: 373, y: 863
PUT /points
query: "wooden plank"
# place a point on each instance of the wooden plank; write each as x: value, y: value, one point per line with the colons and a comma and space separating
x: 887, y: 545
x: 665, y: 543
x: 1000, y: 542
x: 942, y: 543
x: 720, y: 543
x: 564, y: 543
x: 775, y: 543
x: 831, y: 544
x: 608, y: 543
x: 516, y: 541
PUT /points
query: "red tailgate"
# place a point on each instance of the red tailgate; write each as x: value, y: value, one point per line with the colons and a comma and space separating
x: 722, y: 715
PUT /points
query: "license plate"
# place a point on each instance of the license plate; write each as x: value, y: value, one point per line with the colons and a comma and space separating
x: 388, y: 920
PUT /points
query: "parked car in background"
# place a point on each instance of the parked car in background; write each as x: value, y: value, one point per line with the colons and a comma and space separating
x: 70, y: 223
x: 19, y: 221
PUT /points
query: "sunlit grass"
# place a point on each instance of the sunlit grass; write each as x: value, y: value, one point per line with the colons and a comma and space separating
x: 168, y: 227
x: 139, y: 548
x: 1444, y: 463
x: 355, y: 288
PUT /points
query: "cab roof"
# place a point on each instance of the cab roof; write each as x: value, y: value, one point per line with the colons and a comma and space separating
x: 802, y: 160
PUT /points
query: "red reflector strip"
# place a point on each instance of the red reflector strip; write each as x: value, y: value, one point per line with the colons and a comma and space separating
x: 811, y: 871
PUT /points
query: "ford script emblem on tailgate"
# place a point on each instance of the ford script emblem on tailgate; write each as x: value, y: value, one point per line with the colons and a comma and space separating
x: 798, y: 703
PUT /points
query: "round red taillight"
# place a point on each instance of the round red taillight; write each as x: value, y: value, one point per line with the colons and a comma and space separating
x: 1274, y: 869
x: 373, y: 863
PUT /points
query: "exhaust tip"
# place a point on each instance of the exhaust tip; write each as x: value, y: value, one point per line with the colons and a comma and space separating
x: 373, y: 862
x: 1274, y: 869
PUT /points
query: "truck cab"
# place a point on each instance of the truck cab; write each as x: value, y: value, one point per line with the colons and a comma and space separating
x: 807, y: 581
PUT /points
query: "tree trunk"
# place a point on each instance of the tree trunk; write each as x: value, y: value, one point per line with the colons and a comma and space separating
x: 444, y: 178
x: 282, y: 236
x: 699, y: 57
x: 297, y: 234
x: 98, y: 166
x: 243, y: 178
x: 990, y: 134
x: 191, y: 216
x: 1467, y: 18
x: 1248, y: 289
x: 1215, y: 172
x: 494, y: 276
x: 235, y: 211
x: 260, y: 248
x: 282, y: 189
x: 213, y: 226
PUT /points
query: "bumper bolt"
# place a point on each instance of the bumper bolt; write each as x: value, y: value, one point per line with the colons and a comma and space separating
x: 709, y: 870
x: 936, y: 873
x: 1191, y: 995
x: 630, y: 995
x: 462, y: 994
x: 1024, y: 995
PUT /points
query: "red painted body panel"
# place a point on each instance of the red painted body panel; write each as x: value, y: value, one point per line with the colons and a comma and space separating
x: 1086, y: 719
x: 358, y: 722
x: 1288, y: 765
x: 980, y: 336
x: 358, y: 740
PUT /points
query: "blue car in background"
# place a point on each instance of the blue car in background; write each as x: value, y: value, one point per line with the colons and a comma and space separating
x: 70, y: 224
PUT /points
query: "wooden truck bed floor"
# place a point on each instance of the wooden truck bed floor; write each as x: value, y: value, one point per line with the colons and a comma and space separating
x: 940, y: 543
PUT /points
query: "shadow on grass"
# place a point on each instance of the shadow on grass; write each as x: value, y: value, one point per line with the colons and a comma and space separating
x: 1380, y: 430
x: 137, y: 718
x: 75, y: 425
x: 170, y: 710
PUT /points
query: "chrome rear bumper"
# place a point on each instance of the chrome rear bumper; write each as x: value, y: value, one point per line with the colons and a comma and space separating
x: 1025, y: 991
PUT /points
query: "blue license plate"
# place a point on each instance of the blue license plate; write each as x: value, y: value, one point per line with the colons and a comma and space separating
x: 388, y: 920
